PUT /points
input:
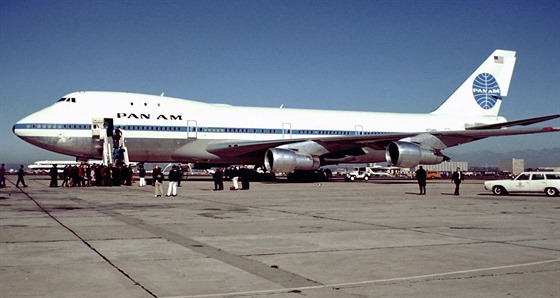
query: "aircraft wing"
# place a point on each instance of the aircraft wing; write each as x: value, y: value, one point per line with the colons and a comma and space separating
x: 454, y: 138
x: 242, y: 148
x: 446, y: 138
x: 514, y: 123
x: 332, y: 145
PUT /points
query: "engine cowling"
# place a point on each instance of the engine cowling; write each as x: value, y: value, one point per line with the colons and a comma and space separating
x: 279, y: 160
x: 408, y: 155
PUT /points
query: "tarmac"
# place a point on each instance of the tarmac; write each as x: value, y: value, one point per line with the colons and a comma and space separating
x: 334, y: 239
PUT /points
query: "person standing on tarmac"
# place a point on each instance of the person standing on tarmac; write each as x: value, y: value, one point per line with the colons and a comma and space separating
x: 180, y: 175
x: 65, y: 174
x: 173, y: 179
x: 158, y: 181
x: 244, y: 175
x: 421, y: 177
x: 2, y: 176
x: 457, y: 178
x: 234, y: 174
x: 54, y: 176
x: 218, y: 179
x: 21, y: 173
x: 142, y: 174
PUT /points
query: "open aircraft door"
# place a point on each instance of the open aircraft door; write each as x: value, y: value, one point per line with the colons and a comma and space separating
x: 101, y: 127
x: 191, y: 129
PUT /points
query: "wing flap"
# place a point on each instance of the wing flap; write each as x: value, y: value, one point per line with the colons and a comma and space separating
x: 453, y: 138
x: 522, y: 122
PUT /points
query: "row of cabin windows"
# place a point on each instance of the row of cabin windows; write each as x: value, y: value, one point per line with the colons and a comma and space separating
x: 194, y: 129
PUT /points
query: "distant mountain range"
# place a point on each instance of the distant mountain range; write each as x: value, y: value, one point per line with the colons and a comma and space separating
x: 533, y: 158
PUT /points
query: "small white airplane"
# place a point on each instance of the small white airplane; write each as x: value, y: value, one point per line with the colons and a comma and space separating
x: 46, y: 165
x: 164, y: 129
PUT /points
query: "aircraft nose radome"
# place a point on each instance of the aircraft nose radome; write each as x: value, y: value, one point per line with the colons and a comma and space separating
x: 14, y: 130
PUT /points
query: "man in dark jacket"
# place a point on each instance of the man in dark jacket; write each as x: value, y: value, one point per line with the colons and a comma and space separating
x: 218, y: 179
x: 20, y: 175
x: 173, y: 180
x: 421, y: 177
x: 457, y: 178
x: 54, y: 176
x: 158, y: 181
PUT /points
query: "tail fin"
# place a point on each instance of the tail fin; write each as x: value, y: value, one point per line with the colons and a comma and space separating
x: 481, y: 94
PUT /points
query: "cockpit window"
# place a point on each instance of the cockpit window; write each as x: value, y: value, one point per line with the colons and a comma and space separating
x: 69, y: 99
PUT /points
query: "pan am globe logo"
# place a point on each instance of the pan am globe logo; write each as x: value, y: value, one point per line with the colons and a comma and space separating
x: 486, y: 90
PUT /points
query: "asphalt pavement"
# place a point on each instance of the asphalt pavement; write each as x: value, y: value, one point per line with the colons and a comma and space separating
x: 334, y: 239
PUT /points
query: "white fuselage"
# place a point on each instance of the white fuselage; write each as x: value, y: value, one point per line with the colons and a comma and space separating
x: 159, y: 129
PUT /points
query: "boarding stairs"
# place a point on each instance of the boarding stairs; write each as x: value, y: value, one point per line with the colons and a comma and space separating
x: 109, y: 154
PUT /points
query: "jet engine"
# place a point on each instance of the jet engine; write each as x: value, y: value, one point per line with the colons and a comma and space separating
x: 408, y: 155
x: 286, y: 161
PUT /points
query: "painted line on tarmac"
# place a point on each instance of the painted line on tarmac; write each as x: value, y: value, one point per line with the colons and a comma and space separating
x: 367, y: 282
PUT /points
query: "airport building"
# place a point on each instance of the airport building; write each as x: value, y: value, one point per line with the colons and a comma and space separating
x: 514, y: 166
x: 446, y: 166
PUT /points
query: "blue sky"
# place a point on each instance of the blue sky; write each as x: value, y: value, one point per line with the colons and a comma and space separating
x: 393, y: 56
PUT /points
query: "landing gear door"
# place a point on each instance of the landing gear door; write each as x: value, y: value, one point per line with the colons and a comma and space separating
x: 191, y: 129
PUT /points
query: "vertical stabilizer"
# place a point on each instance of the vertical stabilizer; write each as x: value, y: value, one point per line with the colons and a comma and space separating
x: 481, y: 94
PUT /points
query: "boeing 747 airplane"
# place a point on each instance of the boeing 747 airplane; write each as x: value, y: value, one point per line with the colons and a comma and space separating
x: 164, y: 129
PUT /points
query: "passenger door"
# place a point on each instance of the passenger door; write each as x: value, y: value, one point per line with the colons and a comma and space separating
x: 537, y: 182
x: 521, y: 183
x: 192, y: 129
x: 286, y: 131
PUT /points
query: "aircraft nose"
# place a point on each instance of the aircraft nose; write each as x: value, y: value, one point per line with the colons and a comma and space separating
x: 14, y: 129
x: 19, y: 128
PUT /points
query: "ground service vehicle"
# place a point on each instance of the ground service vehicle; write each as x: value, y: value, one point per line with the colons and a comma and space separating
x: 432, y: 175
x: 358, y: 173
x: 536, y: 182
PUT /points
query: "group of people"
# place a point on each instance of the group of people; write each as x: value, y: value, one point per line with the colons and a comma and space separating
x: 236, y: 174
x: 86, y: 175
x: 174, y: 177
x: 100, y: 175
x: 21, y: 174
x: 457, y: 177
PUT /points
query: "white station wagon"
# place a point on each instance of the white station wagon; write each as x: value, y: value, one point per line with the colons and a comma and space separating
x: 547, y: 182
